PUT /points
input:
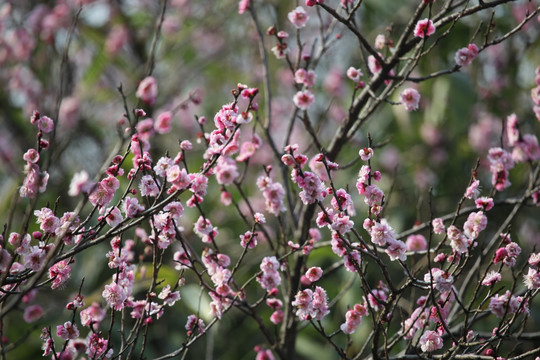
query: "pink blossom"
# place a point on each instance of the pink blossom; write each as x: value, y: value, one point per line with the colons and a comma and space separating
x: 343, y: 201
x: 45, y: 124
x: 465, y: 56
x: 80, y: 183
x: 374, y: 65
x: 312, y: 187
x: 115, y: 295
x: 502, y: 304
x: 476, y: 222
x: 67, y: 331
x: 382, y: 233
x: 147, y: 90
x: 410, y: 98
x: 242, y: 6
x: 352, y: 261
x: 97, y: 347
x: 353, y: 318
x: 205, y: 230
x: 48, y: 222
x: 380, y: 42
x: 226, y: 170
x: 303, y: 99
x: 273, y: 194
x: 491, y: 278
x: 113, y: 216
x: 169, y: 297
x: 59, y: 273
x: 270, y: 278
x: 512, y: 129
x: 485, y: 203
x: 116, y: 39
x: 148, y: 186
x: 431, y: 341
x: 301, y: 76
x: 527, y: 149
x: 532, y: 279
x: 34, y: 258
x: 277, y: 317
x: 342, y: 223
x: 92, y: 315
x: 500, y: 162
x: 280, y: 50
x: 472, y: 191
x: 162, y: 125
x: 247, y: 150
x: 366, y: 153
x: 438, y: 226
x: 32, y: 313
x: 416, y: 243
x: 131, y: 206
x: 441, y: 280
x: 396, y: 250
x: 534, y: 259
x: 248, y: 240
x: 31, y: 156
x: 373, y: 195
x: 263, y: 354
x: 424, y: 28
x: 194, y: 322
x: 354, y: 74
x: 298, y: 17
x: 314, y: 273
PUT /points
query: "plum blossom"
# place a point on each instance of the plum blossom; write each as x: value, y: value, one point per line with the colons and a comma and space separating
x: 298, y: 17
x: 303, y: 99
x: 162, y: 125
x: 67, y: 331
x: 476, y: 222
x: 48, y: 222
x: 382, y: 233
x: 365, y: 153
x: 396, y: 250
x: 354, y: 74
x: 532, y: 279
x: 314, y: 273
x: 353, y: 318
x: 441, y: 280
x: 273, y: 194
x: 500, y: 163
x: 416, y: 242
x: 380, y: 42
x: 491, y: 278
x: 147, y: 90
x: 193, y: 322
x: 270, y: 278
x: 438, y: 226
x: 148, y: 186
x: 301, y: 76
x: 506, y: 303
x: 465, y: 56
x: 80, y: 183
x: 431, y: 341
x: 311, y: 304
x: 32, y: 313
x: 113, y: 216
x: 169, y: 297
x: 410, y: 98
x: 97, y: 347
x: 472, y: 191
x: 59, y: 273
x: 424, y: 28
